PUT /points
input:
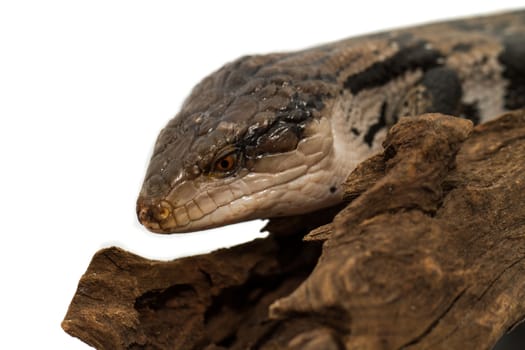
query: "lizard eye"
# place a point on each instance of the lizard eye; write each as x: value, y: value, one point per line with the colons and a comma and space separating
x: 225, y: 164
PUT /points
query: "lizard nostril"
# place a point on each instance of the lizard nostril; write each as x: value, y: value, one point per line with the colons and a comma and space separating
x: 161, y: 213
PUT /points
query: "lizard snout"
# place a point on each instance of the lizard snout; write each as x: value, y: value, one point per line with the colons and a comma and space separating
x: 154, y: 215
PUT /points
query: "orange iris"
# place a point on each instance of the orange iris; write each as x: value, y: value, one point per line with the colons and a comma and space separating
x: 226, y: 163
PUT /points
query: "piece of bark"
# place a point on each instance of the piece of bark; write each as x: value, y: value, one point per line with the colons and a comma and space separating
x: 428, y: 254
x: 420, y: 268
x: 124, y: 301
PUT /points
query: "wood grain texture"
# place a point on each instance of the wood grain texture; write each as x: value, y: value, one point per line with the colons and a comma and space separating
x: 429, y: 253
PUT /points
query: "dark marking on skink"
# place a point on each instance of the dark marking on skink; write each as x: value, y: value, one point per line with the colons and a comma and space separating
x: 416, y: 56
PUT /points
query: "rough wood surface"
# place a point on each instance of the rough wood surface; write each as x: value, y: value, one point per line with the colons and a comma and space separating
x: 428, y: 253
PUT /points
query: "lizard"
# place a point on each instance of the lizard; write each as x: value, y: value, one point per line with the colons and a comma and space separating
x: 277, y: 134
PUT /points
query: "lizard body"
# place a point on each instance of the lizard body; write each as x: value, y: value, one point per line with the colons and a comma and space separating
x: 275, y: 135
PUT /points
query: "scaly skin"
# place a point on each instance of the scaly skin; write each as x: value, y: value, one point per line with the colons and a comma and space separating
x: 275, y: 135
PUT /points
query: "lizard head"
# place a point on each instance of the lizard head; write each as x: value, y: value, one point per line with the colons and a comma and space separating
x: 251, y: 141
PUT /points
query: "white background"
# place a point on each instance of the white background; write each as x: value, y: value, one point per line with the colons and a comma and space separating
x: 84, y: 89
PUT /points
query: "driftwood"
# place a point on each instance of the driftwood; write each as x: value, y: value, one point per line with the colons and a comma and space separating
x: 427, y: 253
